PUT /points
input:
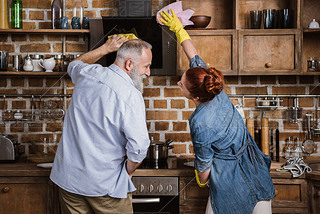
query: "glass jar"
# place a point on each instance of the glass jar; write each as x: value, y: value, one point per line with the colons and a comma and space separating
x: 77, y: 10
x: 16, y: 14
x: 18, y: 115
x: 312, y: 64
x: 56, y: 13
x: 59, y: 63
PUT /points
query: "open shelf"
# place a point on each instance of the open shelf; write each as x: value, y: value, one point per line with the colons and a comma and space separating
x: 25, y: 73
x: 47, y: 31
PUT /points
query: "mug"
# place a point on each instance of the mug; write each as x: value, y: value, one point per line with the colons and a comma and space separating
x: 75, y: 23
x: 4, y: 57
x: 63, y: 22
x: 269, y: 18
x: 285, y: 18
x: 255, y: 17
x: 47, y: 64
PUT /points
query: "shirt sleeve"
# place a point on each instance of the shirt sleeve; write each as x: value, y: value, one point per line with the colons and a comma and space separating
x: 74, y: 69
x: 196, y: 61
x: 202, y: 149
x: 135, y: 130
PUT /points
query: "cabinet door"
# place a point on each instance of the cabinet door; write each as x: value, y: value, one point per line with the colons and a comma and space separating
x: 25, y: 195
x: 267, y: 54
x: 193, y: 199
x: 216, y: 48
x: 291, y: 196
x: 315, y: 196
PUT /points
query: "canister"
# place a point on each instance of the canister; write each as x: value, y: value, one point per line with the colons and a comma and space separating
x: 59, y: 63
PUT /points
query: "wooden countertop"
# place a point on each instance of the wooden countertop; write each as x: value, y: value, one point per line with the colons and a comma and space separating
x: 21, y: 168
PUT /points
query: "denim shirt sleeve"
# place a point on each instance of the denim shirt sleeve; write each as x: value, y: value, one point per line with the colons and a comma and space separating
x: 196, y: 61
x: 202, y: 148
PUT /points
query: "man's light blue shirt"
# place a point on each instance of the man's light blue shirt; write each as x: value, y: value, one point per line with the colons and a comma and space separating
x: 104, y: 125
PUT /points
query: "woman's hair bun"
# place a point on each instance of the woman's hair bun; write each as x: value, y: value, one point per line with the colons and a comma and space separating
x: 214, y: 81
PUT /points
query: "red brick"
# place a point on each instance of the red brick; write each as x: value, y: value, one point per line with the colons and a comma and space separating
x: 36, y: 15
x: 151, y: 92
x: 179, y: 104
x: 57, y: 47
x: 104, y: 4
x: 3, y: 38
x: 268, y: 80
x: 251, y: 80
x: 75, y: 47
x: 45, y: 25
x: 74, y: 38
x: 38, y: 91
x: 147, y: 103
x: 18, y: 37
x: 54, y: 38
x: 231, y: 80
x: 191, y: 104
x: 290, y: 126
x: 35, y: 82
x: 5, y: 47
x: 18, y: 104
x: 41, y: 4
x: 2, y: 128
x: 186, y: 114
x: 174, y: 80
x: 161, y: 126
x: 17, y: 127
x: 178, y: 137
x: 159, y: 81
x: 69, y: 4
x: 3, y: 82
x: 35, y: 127
x: 36, y: 37
x: 44, y: 47
x: 287, y: 79
x: 90, y: 13
x: 172, y: 92
x: 53, y: 82
x: 160, y: 104
x: 180, y: 126
x: 17, y: 82
x: 314, y: 90
x: 179, y: 149
x: 288, y: 90
x: 8, y: 91
x: 29, y: 25
x: 249, y: 103
x: 162, y: 115
x: 146, y: 81
x: 251, y: 90
x: 54, y: 127
x: 306, y: 79
x: 306, y: 102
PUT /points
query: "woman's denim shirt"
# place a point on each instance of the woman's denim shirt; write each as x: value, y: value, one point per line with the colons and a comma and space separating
x: 240, y: 174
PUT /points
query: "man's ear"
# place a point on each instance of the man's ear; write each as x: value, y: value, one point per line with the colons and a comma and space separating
x: 128, y: 65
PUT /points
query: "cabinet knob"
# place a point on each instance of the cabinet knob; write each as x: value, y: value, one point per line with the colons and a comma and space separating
x: 6, y: 189
x: 276, y: 192
x: 268, y: 65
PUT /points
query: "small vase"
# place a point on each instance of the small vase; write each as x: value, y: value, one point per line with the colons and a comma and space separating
x: 75, y: 23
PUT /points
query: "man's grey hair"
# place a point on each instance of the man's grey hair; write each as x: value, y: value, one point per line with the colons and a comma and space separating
x: 132, y: 49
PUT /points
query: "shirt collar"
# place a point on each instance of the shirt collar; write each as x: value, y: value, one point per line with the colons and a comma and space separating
x: 120, y: 72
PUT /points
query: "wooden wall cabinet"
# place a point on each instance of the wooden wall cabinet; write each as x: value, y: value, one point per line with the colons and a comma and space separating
x: 216, y: 48
x: 291, y: 196
x: 256, y: 51
x: 27, y: 195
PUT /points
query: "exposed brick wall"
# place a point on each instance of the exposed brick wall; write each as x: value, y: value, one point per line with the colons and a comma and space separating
x: 167, y: 111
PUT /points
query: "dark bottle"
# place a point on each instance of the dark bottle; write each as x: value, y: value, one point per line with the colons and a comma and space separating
x: 16, y: 14
x: 56, y: 13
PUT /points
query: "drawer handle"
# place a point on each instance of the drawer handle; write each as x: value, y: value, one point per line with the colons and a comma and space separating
x: 276, y: 192
x: 6, y: 189
x: 268, y: 65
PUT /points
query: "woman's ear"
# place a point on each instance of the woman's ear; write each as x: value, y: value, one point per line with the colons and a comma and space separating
x: 128, y: 65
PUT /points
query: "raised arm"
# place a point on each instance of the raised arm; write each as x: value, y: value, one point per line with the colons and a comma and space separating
x: 111, y: 45
x: 182, y: 36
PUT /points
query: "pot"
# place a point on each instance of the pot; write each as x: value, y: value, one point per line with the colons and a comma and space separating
x: 158, y: 153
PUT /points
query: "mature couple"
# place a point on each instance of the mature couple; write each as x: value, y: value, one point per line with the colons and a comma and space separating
x: 105, y: 137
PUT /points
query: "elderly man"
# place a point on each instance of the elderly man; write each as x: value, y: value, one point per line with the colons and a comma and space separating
x: 104, y: 137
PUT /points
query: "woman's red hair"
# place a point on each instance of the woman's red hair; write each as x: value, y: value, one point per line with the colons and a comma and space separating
x: 204, y: 83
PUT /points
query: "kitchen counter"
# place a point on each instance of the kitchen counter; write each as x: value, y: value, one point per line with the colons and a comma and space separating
x: 21, y: 168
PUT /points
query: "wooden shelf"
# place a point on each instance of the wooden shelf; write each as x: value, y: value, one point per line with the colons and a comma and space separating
x: 315, y: 31
x: 47, y: 31
x: 25, y: 73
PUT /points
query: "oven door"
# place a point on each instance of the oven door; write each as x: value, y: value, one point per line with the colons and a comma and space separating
x: 155, y: 204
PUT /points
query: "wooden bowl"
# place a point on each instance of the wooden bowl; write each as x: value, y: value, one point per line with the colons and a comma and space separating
x: 200, y: 21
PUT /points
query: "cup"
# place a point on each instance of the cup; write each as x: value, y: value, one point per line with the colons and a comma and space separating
x: 255, y: 17
x: 285, y: 18
x: 4, y: 57
x: 35, y: 62
x: 63, y: 22
x: 269, y: 18
x: 85, y: 23
x: 16, y: 62
x: 75, y: 23
x: 47, y: 64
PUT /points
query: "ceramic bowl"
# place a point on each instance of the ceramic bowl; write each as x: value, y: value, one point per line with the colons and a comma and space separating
x: 200, y: 21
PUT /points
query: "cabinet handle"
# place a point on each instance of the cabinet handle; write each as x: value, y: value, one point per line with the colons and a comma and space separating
x: 6, y: 189
x: 276, y: 192
x: 268, y: 65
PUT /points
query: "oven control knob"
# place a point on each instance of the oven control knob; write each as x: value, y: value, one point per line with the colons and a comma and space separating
x: 151, y: 188
x: 160, y: 188
x: 169, y: 188
x: 141, y: 188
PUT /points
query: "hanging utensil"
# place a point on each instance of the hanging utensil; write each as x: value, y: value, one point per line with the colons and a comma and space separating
x: 308, y: 145
x: 294, y: 112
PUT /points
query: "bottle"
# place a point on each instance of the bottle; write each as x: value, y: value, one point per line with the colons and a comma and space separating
x: 77, y: 10
x: 56, y: 13
x: 265, y: 135
x: 16, y: 14
x: 4, y: 14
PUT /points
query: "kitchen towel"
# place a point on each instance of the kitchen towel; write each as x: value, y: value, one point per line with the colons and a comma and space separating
x: 296, y: 166
x: 183, y: 15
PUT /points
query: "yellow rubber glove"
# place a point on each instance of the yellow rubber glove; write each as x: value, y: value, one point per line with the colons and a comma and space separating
x: 198, y: 180
x: 174, y: 25
x: 128, y: 36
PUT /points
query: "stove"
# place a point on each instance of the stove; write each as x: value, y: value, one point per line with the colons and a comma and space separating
x: 156, y: 195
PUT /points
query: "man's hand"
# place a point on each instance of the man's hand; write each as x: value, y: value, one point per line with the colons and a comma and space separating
x: 114, y: 43
x: 111, y: 45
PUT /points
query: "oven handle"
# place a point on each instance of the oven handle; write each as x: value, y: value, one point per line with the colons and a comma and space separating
x: 145, y: 200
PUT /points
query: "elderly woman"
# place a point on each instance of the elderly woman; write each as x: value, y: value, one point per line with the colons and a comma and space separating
x: 227, y: 158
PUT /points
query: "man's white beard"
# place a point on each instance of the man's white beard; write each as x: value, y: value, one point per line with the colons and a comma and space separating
x: 136, y: 79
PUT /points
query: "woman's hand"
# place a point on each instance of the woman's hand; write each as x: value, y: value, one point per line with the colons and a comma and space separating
x: 174, y: 25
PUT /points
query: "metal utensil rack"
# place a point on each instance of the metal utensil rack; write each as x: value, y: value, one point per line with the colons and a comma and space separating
x: 29, y: 115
